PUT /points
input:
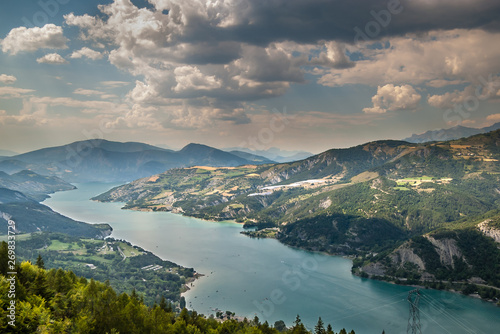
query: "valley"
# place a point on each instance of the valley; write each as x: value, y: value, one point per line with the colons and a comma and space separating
x: 411, y: 214
x: 375, y: 198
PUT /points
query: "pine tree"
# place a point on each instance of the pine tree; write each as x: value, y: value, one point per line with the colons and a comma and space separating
x: 320, y: 327
x: 297, y: 321
x: 39, y: 262
x: 329, y: 329
x: 299, y: 327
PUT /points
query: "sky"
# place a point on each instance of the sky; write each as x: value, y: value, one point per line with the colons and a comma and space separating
x: 295, y: 74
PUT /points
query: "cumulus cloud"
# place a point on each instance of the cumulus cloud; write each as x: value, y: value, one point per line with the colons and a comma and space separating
x: 449, y: 99
x: 137, y: 117
x: 419, y: 59
x: 7, y: 79
x: 218, y: 55
x: 86, y: 52
x: 334, y: 56
x: 190, y: 77
x: 20, y: 39
x: 52, y: 58
x: 392, y: 98
x: 470, y: 94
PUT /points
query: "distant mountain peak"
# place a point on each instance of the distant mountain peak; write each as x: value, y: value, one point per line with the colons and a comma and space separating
x: 453, y: 133
x: 196, y: 146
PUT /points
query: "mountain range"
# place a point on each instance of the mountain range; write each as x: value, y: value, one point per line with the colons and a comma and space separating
x: 102, y: 160
x: 453, y: 133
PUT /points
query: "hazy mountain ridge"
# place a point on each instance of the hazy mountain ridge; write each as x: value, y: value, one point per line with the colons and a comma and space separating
x: 101, y: 160
x: 453, y: 133
x: 273, y: 154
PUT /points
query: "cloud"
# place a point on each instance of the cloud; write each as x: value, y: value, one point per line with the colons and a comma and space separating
x: 13, y: 92
x: 439, y: 83
x: 137, y: 117
x: 29, y: 115
x: 334, y: 57
x: 86, y: 52
x: 470, y: 94
x: 190, y: 57
x: 20, y: 39
x: 191, y: 78
x: 87, y: 92
x: 392, y: 98
x: 450, y: 99
x: 441, y: 55
x: 91, y: 92
x: 92, y: 106
x: 115, y: 84
x: 261, y: 23
x: 493, y: 118
x: 7, y: 79
x: 52, y: 58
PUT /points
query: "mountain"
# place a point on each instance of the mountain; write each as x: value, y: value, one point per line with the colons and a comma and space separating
x: 33, y: 185
x: 30, y: 216
x: 456, y: 132
x: 274, y: 154
x: 101, y: 160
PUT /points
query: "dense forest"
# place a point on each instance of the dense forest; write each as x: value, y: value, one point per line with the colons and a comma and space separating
x: 58, y: 301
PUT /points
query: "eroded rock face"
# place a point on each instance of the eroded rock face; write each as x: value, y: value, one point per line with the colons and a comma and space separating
x: 375, y: 269
x: 405, y: 254
x: 447, y: 249
x: 489, y: 231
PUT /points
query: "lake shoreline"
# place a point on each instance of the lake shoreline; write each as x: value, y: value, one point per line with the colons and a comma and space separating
x: 350, y: 257
x: 265, y: 268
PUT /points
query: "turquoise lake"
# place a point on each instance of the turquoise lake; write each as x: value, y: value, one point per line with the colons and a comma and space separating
x: 275, y: 282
